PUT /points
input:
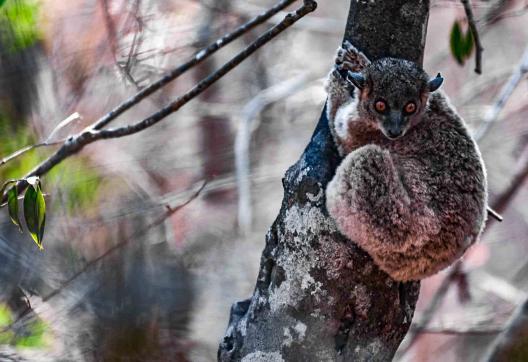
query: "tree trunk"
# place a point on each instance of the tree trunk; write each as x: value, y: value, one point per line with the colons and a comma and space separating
x: 318, y: 297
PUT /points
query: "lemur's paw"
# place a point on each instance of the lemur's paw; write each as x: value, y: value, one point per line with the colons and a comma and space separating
x: 349, y: 58
x: 338, y: 73
x: 337, y: 81
x: 346, y: 52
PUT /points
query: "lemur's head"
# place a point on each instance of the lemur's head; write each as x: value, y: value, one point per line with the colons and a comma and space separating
x: 393, y: 94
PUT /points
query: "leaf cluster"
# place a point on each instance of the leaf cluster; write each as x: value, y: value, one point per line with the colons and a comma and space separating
x: 34, y: 207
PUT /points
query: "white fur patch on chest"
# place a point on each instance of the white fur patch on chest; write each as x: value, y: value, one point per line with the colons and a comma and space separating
x: 344, y: 115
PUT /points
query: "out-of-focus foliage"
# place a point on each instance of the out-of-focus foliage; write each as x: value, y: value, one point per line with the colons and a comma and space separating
x: 36, y: 335
x: 81, y: 186
x: 15, y: 137
x: 6, y: 318
x: 18, y: 23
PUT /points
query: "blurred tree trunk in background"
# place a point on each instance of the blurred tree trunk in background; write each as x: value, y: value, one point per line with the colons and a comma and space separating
x: 318, y: 297
x: 216, y: 135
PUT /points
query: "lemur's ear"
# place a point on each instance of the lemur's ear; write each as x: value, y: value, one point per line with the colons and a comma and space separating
x: 435, y: 83
x: 356, y: 79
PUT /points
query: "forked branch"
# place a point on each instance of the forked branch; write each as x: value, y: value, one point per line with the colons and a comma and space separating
x: 96, y: 132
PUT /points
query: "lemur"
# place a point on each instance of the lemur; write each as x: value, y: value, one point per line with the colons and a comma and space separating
x: 412, y: 189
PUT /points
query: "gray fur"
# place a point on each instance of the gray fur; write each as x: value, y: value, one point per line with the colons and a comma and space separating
x: 414, y: 203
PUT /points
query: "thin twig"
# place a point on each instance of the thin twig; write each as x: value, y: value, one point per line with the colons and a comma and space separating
x: 493, y: 114
x: 73, y: 117
x: 495, y: 215
x: 21, y: 151
x: 91, y: 134
x: 114, y: 47
x: 473, y: 27
x: 198, y: 58
x: 518, y: 179
x: 262, y: 40
x: 110, y: 29
x: 169, y: 211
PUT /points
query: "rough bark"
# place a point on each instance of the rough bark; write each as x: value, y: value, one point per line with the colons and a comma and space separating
x: 318, y: 297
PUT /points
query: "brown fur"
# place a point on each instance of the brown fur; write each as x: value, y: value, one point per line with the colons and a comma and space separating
x: 414, y: 203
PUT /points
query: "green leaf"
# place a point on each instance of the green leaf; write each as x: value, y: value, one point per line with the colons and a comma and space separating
x: 35, y: 212
x: 2, y: 2
x: 468, y: 43
x: 457, y: 43
x: 12, y: 205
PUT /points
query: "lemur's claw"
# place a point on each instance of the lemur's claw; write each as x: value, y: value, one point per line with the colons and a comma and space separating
x: 340, y: 56
x: 339, y: 73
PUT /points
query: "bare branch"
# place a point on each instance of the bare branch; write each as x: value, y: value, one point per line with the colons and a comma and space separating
x: 73, y: 117
x: 66, y: 122
x: 23, y: 150
x: 288, y: 21
x: 471, y: 21
x: 110, y: 29
x: 518, y: 179
x: 494, y: 214
x: 114, y: 46
x: 198, y: 58
x: 493, y: 114
x: 93, y: 133
x: 498, y: 286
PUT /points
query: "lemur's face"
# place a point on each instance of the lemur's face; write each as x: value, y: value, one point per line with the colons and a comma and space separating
x: 394, y: 112
x: 393, y: 94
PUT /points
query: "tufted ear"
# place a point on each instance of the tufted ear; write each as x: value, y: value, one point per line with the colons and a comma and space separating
x: 357, y: 79
x: 435, y: 83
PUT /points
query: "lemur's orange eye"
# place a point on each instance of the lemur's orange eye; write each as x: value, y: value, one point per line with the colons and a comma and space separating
x: 380, y: 106
x: 410, y: 108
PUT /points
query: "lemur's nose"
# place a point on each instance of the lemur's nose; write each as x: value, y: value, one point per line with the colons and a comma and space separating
x: 393, y: 133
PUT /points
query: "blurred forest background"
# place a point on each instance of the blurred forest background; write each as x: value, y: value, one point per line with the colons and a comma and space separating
x: 165, y: 294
